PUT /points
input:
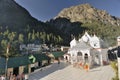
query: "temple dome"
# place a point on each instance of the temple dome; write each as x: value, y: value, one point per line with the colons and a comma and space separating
x: 73, y: 43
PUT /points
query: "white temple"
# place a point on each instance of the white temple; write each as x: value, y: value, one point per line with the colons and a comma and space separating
x: 90, y: 48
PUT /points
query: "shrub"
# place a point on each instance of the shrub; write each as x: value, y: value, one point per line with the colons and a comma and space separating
x: 115, y: 68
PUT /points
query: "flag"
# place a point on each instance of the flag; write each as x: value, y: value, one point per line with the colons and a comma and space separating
x: 32, y: 58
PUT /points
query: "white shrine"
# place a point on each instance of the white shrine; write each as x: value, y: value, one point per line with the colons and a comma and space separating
x: 90, y: 49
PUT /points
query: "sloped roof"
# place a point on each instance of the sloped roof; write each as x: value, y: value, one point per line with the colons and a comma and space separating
x: 40, y: 57
x: 95, y: 38
x: 73, y: 43
x: 18, y: 61
x: 58, y: 54
x: 86, y: 37
x: 81, y: 46
x: 2, y: 63
x: 21, y: 60
x: 95, y: 42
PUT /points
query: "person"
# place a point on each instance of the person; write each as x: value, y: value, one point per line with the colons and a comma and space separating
x: 10, y: 76
x: 118, y: 51
x: 14, y: 77
x: 86, y: 67
x: 22, y: 76
x: 2, y: 77
x: 58, y: 60
x: 26, y: 76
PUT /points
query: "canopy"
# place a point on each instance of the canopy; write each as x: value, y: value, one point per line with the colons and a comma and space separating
x: 57, y: 54
x: 21, y: 60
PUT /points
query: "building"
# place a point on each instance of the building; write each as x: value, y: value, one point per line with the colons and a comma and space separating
x: 90, y: 49
x: 23, y: 64
x: 64, y: 48
x: 30, y: 48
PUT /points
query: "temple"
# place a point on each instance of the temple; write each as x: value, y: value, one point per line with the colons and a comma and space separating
x: 88, y: 49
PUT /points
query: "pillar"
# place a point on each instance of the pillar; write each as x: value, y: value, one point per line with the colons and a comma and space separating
x: 29, y: 68
x: 118, y: 67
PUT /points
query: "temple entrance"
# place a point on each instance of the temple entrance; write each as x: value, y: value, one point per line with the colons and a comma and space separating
x: 86, y: 58
x: 97, y: 59
x: 79, y: 56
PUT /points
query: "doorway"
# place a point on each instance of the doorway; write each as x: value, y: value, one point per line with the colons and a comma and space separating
x: 16, y: 71
x: 86, y: 58
x: 79, y: 56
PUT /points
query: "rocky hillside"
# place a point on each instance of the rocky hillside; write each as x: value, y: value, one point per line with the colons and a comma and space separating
x: 78, y: 19
x: 86, y: 13
x: 74, y: 20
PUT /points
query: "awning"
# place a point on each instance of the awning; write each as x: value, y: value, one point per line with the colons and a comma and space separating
x: 58, y: 54
x: 21, y: 60
x: 2, y: 65
x: 18, y: 61
x: 40, y: 57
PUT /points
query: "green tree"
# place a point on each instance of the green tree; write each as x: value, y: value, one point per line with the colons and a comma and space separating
x: 33, y: 35
x: 29, y: 37
x: 21, y: 38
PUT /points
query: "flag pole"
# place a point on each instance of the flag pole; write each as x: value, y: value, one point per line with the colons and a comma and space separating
x: 7, y: 57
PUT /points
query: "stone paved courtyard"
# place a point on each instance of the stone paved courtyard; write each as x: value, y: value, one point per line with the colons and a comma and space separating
x: 64, y: 71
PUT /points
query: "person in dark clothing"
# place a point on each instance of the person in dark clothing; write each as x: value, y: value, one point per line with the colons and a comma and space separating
x: 118, y: 51
x: 111, y: 55
x: 58, y: 60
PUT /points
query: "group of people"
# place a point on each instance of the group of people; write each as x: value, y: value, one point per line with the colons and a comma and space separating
x: 14, y: 77
x: 80, y: 63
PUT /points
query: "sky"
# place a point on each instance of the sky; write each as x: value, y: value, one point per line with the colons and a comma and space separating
x: 45, y: 10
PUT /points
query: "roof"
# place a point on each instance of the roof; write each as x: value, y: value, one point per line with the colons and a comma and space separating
x: 86, y: 37
x: 73, y: 43
x: 21, y: 60
x: 18, y: 61
x: 95, y: 42
x: 57, y: 54
x: 81, y: 46
x: 40, y: 57
x: 2, y: 65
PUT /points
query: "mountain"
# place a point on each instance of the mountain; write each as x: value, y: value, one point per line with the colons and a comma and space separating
x: 85, y: 13
x: 16, y: 18
x: 70, y: 21
x: 76, y: 20
x: 13, y: 16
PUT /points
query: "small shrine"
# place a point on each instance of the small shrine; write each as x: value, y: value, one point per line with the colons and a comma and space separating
x: 89, y: 50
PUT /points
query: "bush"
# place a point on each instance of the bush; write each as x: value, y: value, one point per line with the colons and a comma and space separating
x: 115, y: 68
